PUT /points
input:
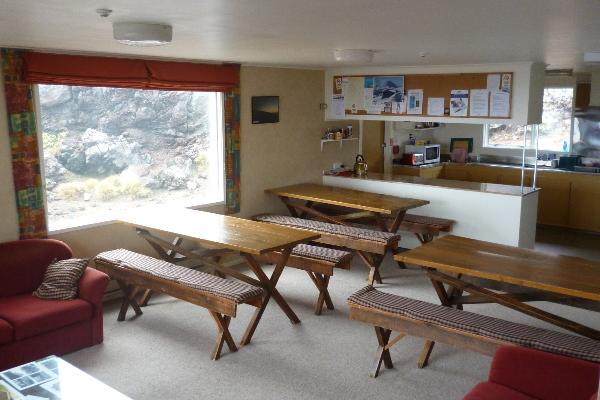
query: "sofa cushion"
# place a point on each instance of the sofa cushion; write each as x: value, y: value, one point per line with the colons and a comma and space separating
x: 6, y: 332
x: 61, y: 279
x: 493, y: 391
x: 30, y: 316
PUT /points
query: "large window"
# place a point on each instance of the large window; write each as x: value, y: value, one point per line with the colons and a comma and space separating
x: 108, y: 150
x: 554, y: 131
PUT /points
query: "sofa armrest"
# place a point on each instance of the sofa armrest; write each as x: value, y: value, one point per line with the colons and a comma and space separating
x: 92, y: 286
x: 544, y: 375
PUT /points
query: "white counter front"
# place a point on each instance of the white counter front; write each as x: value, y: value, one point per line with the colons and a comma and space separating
x: 498, y: 213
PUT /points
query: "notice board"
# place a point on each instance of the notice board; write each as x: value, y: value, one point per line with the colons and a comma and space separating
x: 436, y: 95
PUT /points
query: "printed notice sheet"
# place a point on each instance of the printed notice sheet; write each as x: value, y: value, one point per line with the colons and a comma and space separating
x: 435, y: 106
x: 337, y: 102
x: 500, y: 104
x: 479, y: 103
x: 493, y: 82
x: 459, y: 102
x: 415, y: 101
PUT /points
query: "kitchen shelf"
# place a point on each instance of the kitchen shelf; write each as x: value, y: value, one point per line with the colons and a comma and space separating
x: 428, y: 129
x: 341, y: 141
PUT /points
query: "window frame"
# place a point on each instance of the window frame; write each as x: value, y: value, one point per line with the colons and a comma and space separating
x: 220, y: 122
x: 486, y: 127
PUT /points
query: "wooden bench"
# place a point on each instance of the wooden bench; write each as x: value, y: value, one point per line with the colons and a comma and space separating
x: 424, y: 228
x: 436, y: 323
x: 219, y: 296
x: 370, y: 245
x: 319, y: 262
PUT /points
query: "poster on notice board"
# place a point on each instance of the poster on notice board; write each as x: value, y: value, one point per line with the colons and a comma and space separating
x: 459, y: 102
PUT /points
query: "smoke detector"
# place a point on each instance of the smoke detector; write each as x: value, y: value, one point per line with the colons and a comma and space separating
x: 142, y: 33
x: 353, y: 56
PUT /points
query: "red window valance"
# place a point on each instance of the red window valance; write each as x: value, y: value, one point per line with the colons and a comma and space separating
x: 129, y: 73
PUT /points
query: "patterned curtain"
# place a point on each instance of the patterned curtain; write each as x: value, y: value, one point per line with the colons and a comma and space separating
x: 232, y: 152
x: 24, y: 147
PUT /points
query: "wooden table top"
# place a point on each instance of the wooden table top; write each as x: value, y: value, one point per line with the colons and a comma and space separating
x: 571, y: 276
x: 218, y: 230
x: 350, y: 198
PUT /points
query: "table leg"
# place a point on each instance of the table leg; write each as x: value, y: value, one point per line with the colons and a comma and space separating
x: 271, y: 291
x: 513, y: 303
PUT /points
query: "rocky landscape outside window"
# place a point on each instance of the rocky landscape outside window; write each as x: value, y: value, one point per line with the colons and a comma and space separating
x: 108, y: 150
x: 554, y: 131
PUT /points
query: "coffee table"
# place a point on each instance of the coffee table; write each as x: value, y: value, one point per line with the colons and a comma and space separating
x: 53, y: 378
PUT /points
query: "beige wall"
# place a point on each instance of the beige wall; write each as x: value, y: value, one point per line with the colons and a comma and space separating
x: 272, y: 155
x: 9, y: 228
x: 289, y: 151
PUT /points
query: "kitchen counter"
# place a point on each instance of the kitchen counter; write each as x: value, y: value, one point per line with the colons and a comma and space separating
x: 450, y: 184
x: 530, y: 168
x: 485, y: 211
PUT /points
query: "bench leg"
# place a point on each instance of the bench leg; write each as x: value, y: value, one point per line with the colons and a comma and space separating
x: 129, y: 293
x: 145, y: 298
x: 425, y: 353
x: 383, y: 351
x: 425, y: 237
x: 322, y: 283
x: 224, y: 335
x: 373, y: 262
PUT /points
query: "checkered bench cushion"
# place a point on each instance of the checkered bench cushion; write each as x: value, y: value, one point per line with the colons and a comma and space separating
x: 322, y: 253
x: 439, y: 223
x: 239, y: 292
x: 522, y: 335
x: 325, y: 227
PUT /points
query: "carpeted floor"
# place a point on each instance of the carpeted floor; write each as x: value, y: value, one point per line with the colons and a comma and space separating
x: 165, y: 353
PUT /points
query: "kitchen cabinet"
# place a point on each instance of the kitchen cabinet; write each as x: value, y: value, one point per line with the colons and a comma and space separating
x: 424, y: 172
x: 566, y: 199
x: 554, y: 198
x: 457, y: 172
x: 584, y: 207
x: 483, y: 174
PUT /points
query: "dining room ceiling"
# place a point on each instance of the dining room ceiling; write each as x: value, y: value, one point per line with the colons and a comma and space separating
x: 305, y: 33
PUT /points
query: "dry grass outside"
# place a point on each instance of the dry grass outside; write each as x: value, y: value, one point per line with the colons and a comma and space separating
x: 110, y: 188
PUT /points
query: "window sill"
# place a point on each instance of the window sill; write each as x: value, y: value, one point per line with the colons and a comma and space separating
x: 114, y: 221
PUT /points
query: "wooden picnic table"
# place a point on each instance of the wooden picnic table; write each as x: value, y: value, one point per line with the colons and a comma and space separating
x: 556, y: 277
x: 221, y: 235
x: 343, y: 205
x: 366, y: 204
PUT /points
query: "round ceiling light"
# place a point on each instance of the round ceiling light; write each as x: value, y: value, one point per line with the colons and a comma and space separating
x: 142, y: 34
x: 353, y: 56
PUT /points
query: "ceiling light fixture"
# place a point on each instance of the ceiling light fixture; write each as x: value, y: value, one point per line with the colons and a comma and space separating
x: 591, y: 57
x: 353, y: 56
x: 559, y: 72
x: 142, y: 33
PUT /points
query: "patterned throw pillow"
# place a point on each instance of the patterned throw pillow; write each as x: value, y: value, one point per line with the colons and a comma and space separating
x: 61, y: 279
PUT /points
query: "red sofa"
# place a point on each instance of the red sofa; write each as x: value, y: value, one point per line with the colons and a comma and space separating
x: 518, y: 373
x: 31, y: 328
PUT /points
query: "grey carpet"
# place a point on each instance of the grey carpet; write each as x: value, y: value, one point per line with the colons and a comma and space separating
x: 165, y: 353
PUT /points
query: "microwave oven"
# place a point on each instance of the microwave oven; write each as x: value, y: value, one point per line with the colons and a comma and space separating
x: 431, y: 152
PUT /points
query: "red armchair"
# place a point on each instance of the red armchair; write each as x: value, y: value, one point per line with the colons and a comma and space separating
x: 31, y: 328
x: 518, y: 373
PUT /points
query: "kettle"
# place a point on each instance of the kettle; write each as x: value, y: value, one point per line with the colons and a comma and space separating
x: 360, y: 166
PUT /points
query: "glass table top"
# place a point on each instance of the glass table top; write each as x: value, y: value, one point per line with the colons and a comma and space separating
x: 52, y: 378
